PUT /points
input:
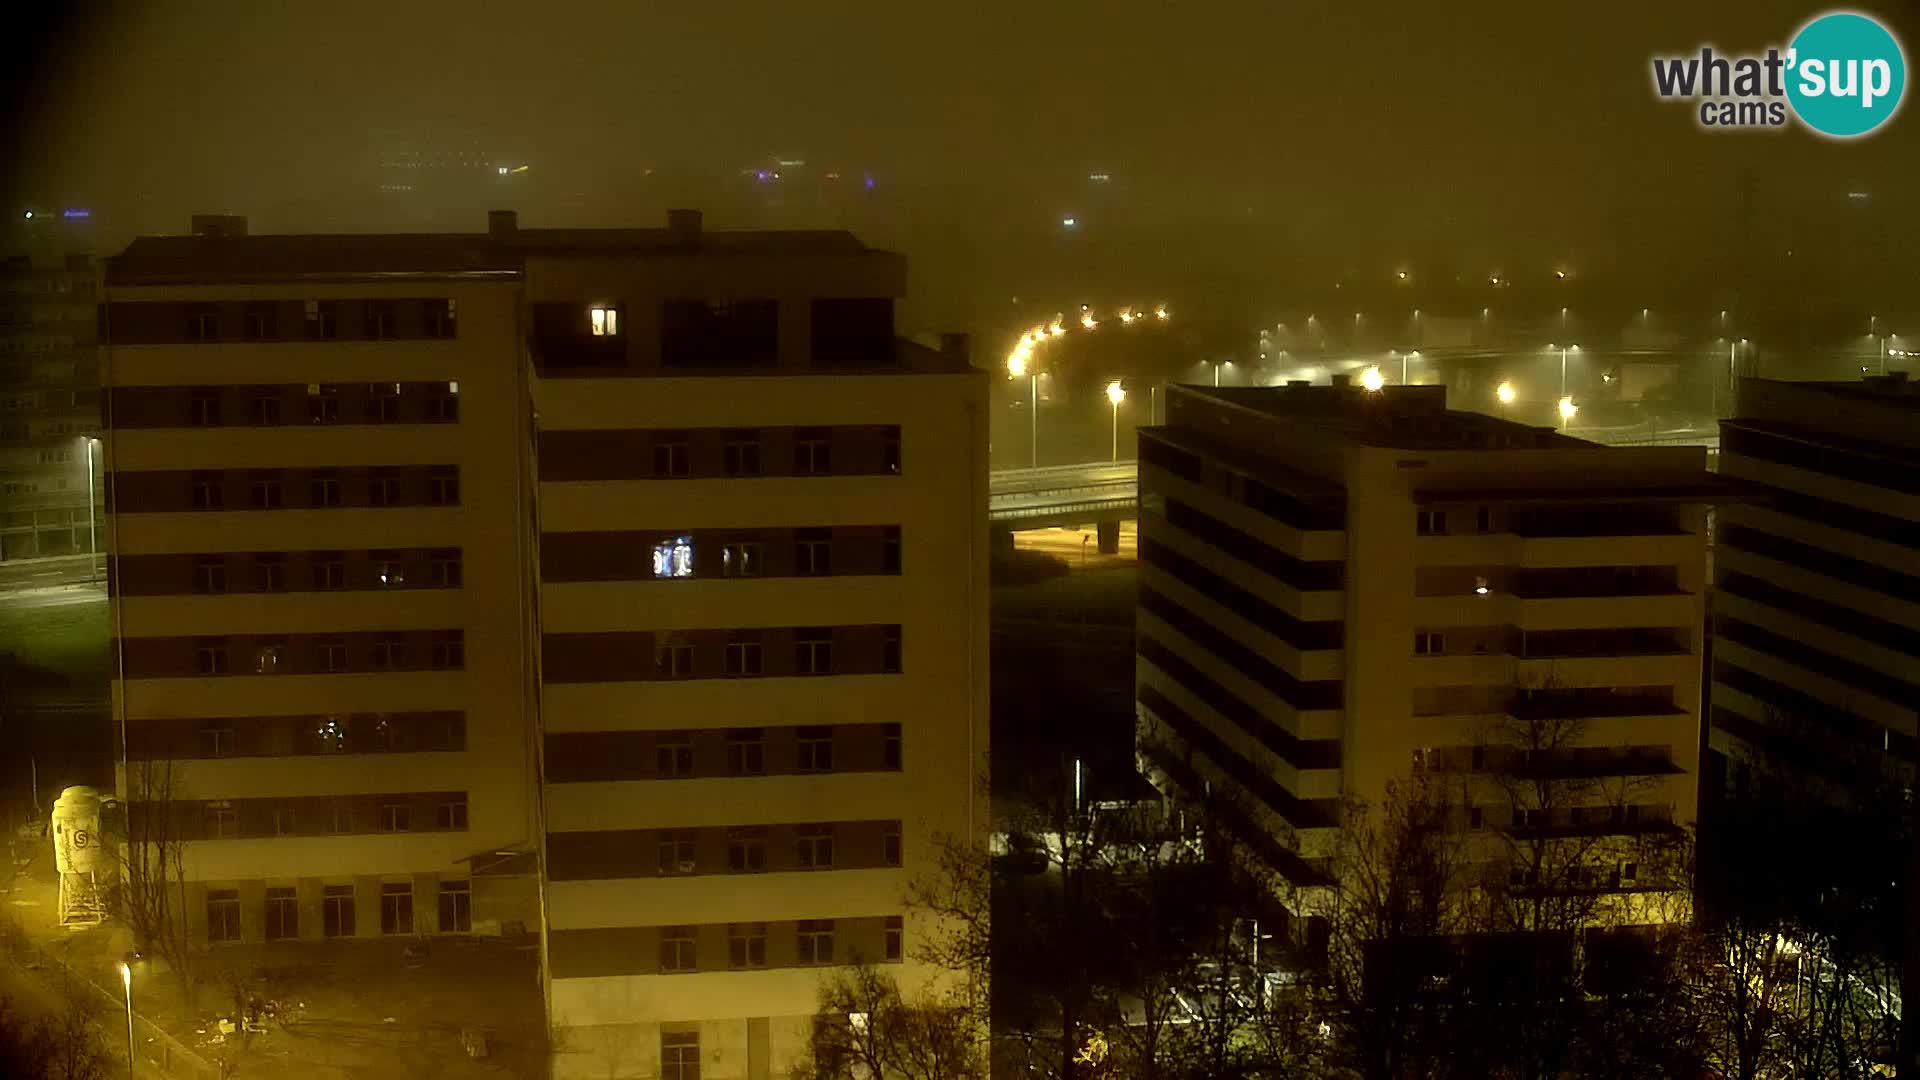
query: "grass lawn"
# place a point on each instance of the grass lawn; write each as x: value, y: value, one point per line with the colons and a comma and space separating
x: 67, y: 641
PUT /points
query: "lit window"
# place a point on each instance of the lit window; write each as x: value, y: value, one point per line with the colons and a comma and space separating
x: 673, y: 558
x: 605, y: 321
x: 740, y: 559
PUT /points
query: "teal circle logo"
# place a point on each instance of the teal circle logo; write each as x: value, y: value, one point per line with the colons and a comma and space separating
x: 1845, y: 75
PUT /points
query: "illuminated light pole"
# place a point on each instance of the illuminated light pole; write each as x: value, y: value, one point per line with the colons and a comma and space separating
x: 1116, y: 394
x: 126, y: 980
x: 1567, y: 411
x: 1506, y: 394
x: 1017, y: 365
x: 1372, y: 380
x: 93, y: 546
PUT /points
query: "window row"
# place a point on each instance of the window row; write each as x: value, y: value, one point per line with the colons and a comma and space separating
x: 292, y: 913
x: 184, y: 738
x: 1871, y: 576
x: 311, y: 815
x: 1817, y: 454
x: 759, y: 652
x: 1553, y: 644
x: 1256, y: 779
x: 1296, y: 632
x: 293, y: 654
x: 1545, y: 703
x: 278, y: 404
x: 1316, y: 513
x: 1275, y: 679
x: 182, y: 322
x: 1300, y: 574
x: 599, y: 756
x: 729, y: 849
x: 1559, y: 762
x: 173, y: 490
x: 286, y: 571
x: 720, y: 553
x: 710, y: 453
x: 659, y: 950
x: 741, y: 332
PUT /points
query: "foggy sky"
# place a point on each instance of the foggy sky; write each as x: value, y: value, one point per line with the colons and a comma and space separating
x: 1517, y: 117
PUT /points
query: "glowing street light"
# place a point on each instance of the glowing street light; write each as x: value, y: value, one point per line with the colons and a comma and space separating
x: 1088, y: 321
x: 1567, y: 410
x: 1019, y: 363
x: 1126, y: 316
x: 1054, y: 328
x: 1506, y: 393
x: 126, y: 981
x: 1372, y: 380
x: 1116, y: 394
x: 1161, y: 313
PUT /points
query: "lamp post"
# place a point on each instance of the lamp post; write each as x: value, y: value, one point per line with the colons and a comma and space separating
x: 93, y: 547
x: 1506, y: 394
x: 1115, y: 395
x: 126, y: 980
x: 1017, y: 366
x: 1567, y: 411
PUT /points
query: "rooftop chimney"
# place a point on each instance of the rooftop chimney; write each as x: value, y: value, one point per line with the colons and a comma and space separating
x: 684, y: 225
x: 1299, y: 382
x: 502, y: 224
x: 1340, y: 380
x: 219, y: 225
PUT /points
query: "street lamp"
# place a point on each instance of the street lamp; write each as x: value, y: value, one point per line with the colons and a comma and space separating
x: 1564, y: 349
x: 93, y: 547
x: 1506, y: 393
x: 1567, y: 410
x: 1372, y: 380
x: 1018, y: 364
x: 126, y: 980
x: 1116, y: 394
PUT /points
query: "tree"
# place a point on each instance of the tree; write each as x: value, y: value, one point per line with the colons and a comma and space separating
x: 64, y: 1044
x: 153, y: 880
x: 867, y: 1030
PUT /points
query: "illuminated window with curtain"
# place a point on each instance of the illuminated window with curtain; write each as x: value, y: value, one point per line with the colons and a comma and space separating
x: 604, y: 320
x: 673, y: 557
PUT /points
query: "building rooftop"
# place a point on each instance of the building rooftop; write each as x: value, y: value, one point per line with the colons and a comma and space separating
x: 1393, y: 417
x: 220, y: 250
x: 1894, y: 389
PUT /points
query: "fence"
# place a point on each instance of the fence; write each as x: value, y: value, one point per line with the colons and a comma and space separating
x: 154, y: 1046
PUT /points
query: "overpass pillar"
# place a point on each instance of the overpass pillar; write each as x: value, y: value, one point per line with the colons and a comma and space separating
x: 1000, y: 539
x: 1108, y: 533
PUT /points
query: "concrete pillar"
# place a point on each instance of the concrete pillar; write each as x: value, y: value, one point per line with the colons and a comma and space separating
x: 1001, y: 539
x: 1108, y: 537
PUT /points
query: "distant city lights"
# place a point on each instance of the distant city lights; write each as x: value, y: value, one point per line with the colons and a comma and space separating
x: 77, y: 214
x: 1372, y: 380
x: 1099, y: 177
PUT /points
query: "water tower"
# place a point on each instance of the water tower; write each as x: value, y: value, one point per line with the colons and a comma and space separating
x: 80, y: 855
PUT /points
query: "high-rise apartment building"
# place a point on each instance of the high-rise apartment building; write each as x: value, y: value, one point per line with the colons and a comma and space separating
x: 1340, y: 587
x: 651, y: 552
x: 1816, y: 652
x: 49, y: 408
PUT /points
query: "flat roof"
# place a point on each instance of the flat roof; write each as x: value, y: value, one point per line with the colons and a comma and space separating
x: 1393, y: 417
x: 196, y: 259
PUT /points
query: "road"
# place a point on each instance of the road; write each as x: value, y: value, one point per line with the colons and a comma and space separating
x: 1099, y: 491
x: 42, y: 573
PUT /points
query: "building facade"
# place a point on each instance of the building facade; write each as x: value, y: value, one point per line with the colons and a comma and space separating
x: 49, y: 408
x: 649, y: 557
x: 1816, y: 661
x: 1341, y: 590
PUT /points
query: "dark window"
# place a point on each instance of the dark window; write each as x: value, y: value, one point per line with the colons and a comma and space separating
x: 323, y: 489
x: 890, y: 845
x: 330, y: 655
x: 223, y: 915
x: 1427, y: 643
x: 203, y: 325
x: 270, y: 656
x: 264, y: 491
x: 382, y: 321
x: 719, y: 334
x: 209, y: 573
x: 270, y: 571
x: 677, y: 952
x: 266, y: 410
x: 396, y: 817
x: 815, y: 941
x: 814, y: 749
x: 383, y: 487
x: 396, y: 908
x: 205, y: 408
x: 1430, y: 523
x: 323, y: 319
x: 813, y: 452
x: 890, y: 449
x: 890, y: 549
x: 890, y: 746
x: 746, y: 850
x: 446, y: 568
x: 389, y: 653
x: 679, y: 1055
x: 259, y: 322
x: 673, y: 755
x: 743, y: 658
x: 216, y: 738
x: 813, y: 551
x: 336, y: 911
x: 747, y: 945
x: 223, y: 823
x: 383, y: 403
x: 1483, y: 519
x: 456, y: 907
x: 852, y: 332
x: 442, y: 318
x: 210, y: 656
x: 673, y: 660
x: 740, y: 559
x: 450, y: 650
x: 283, y: 914
x: 813, y: 651
x: 742, y: 452
x: 329, y: 570
x: 896, y: 935
x: 670, y: 456
x: 451, y: 815
x: 207, y: 490
x: 890, y: 651
x: 444, y: 406
x: 323, y: 404
x: 451, y: 734
x: 746, y: 752
x: 443, y: 485
x: 676, y: 853
x: 283, y: 821
x: 389, y: 572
